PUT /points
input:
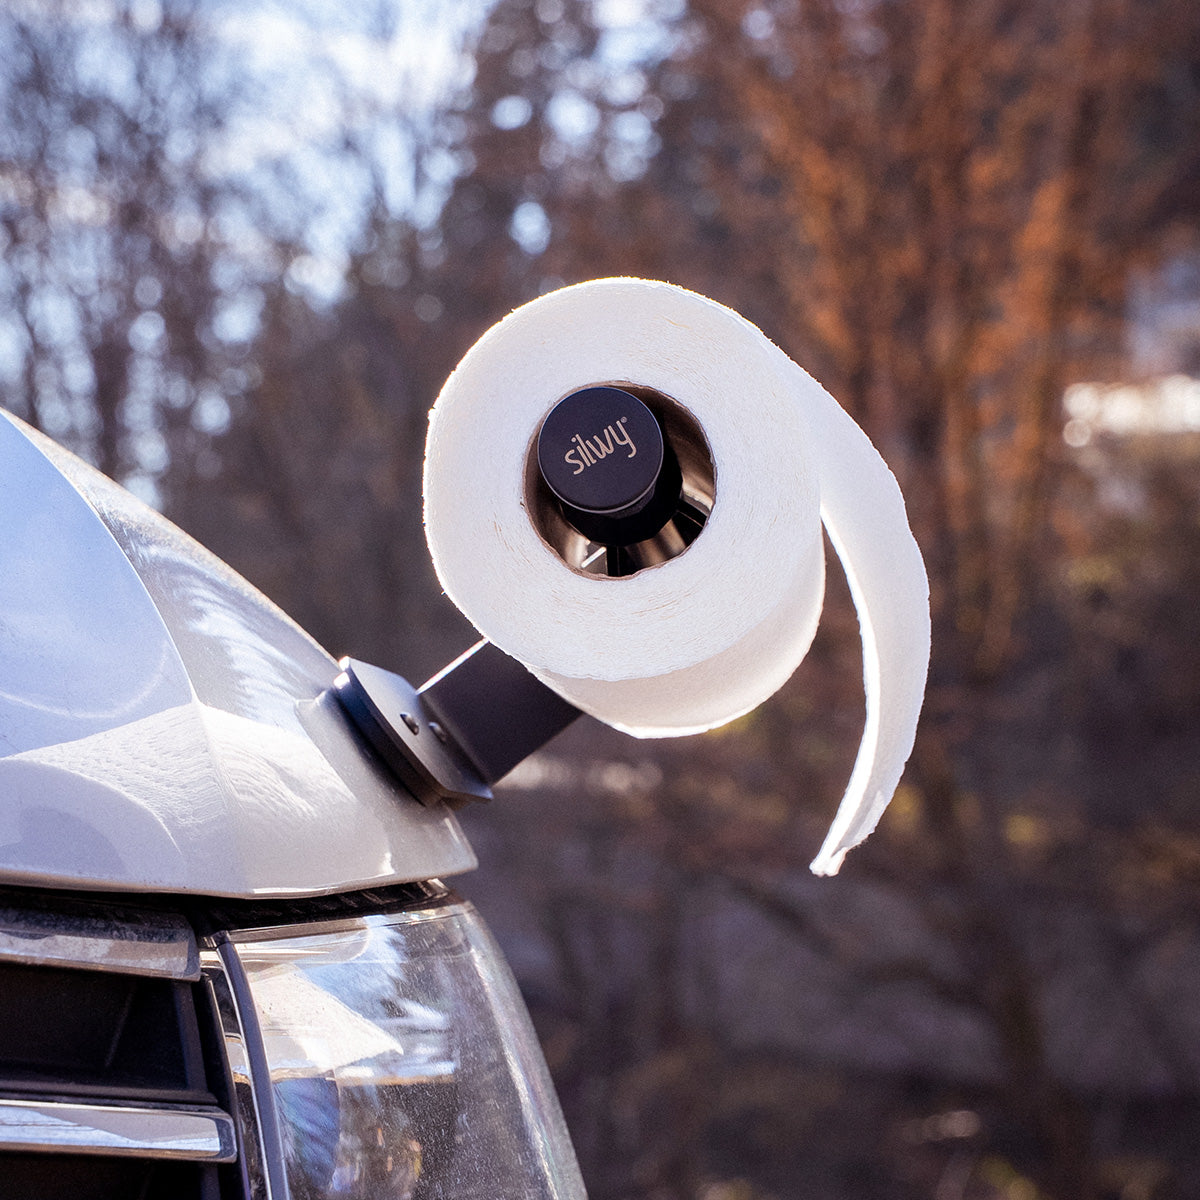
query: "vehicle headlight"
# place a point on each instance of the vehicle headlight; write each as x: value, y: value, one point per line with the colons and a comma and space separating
x: 402, y: 1062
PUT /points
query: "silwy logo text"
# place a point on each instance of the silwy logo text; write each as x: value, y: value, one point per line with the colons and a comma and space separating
x: 586, y: 452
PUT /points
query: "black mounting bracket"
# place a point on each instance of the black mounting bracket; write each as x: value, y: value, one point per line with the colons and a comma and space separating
x: 464, y: 729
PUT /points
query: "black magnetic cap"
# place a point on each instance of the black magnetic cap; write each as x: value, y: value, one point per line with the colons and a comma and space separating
x: 600, y: 451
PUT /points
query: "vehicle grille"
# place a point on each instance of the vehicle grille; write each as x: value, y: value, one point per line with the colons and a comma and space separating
x: 130, y: 1050
x: 115, y: 1078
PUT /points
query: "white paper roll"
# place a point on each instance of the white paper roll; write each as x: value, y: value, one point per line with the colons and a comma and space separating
x: 706, y: 636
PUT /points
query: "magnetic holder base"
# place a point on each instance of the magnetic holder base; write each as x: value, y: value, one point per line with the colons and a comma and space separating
x: 389, y: 713
x: 462, y: 731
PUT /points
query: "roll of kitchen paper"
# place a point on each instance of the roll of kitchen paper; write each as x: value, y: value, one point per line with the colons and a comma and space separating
x: 704, y: 637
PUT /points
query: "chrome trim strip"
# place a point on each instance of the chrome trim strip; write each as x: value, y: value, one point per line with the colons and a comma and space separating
x: 439, y: 911
x: 198, y: 1135
x: 256, y: 1183
x: 124, y: 940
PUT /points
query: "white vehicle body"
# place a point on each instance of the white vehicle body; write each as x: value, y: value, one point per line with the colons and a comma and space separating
x: 163, y: 726
x: 229, y: 969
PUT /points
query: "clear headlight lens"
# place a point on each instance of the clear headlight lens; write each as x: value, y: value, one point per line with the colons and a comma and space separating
x: 403, y: 1065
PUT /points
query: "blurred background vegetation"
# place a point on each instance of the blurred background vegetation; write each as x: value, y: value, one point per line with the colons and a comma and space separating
x: 244, y: 243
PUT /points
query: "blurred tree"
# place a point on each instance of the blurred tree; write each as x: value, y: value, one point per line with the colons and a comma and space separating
x: 318, y: 493
x: 936, y: 208
x: 107, y: 286
x: 967, y: 189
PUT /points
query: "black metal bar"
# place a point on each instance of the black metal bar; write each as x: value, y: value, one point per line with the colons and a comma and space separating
x: 495, y: 709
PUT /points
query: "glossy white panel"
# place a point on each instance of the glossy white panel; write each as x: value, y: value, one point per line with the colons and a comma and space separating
x: 163, y: 726
x: 82, y: 647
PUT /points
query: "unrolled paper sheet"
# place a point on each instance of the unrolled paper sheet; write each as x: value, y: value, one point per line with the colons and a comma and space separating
x: 706, y: 636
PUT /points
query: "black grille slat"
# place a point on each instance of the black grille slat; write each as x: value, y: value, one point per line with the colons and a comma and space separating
x: 86, y: 1177
x: 115, y: 1035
